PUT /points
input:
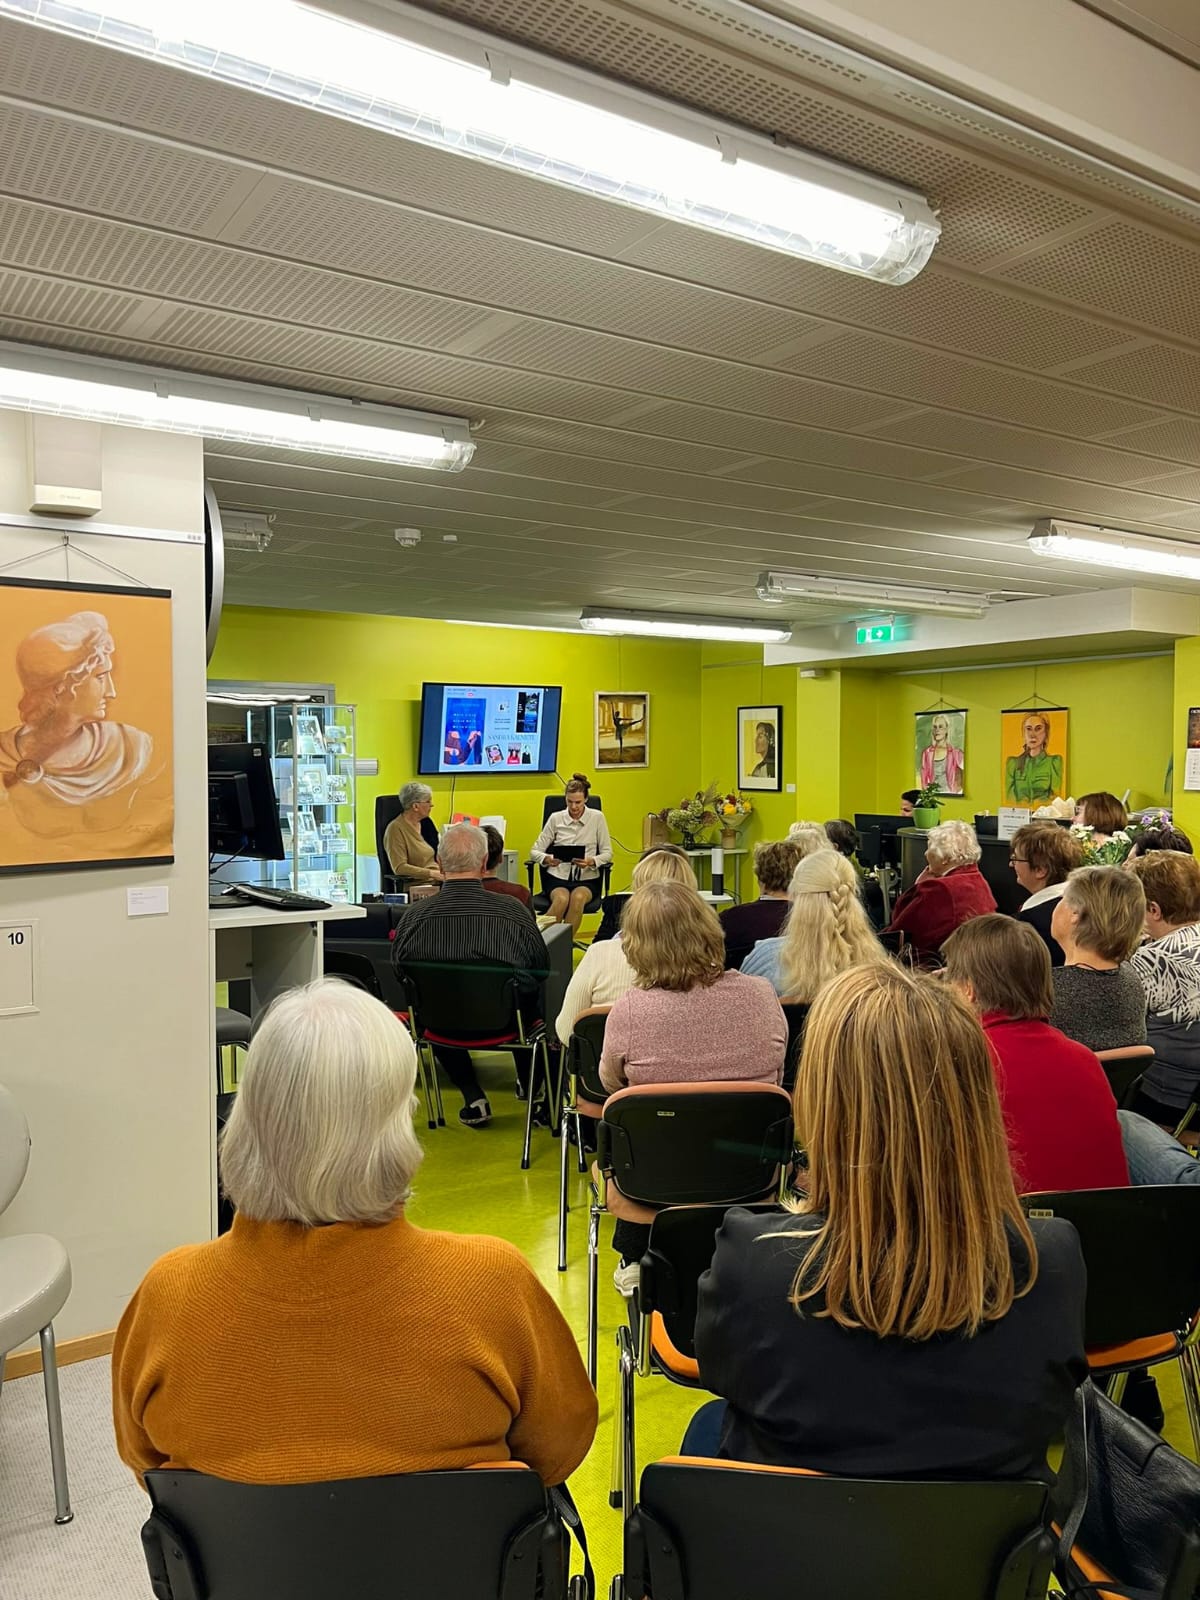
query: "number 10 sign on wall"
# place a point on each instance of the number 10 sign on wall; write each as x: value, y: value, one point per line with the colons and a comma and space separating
x: 16, y: 967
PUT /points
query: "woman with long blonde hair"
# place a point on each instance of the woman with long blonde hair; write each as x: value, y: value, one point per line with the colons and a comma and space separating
x: 902, y: 1318
x: 826, y: 931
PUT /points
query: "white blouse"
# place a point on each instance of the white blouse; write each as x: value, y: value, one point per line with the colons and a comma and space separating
x: 590, y: 830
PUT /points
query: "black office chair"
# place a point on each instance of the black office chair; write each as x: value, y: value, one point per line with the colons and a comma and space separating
x: 600, y: 886
x: 1125, y: 1068
x: 584, y: 1099
x: 795, y: 1014
x: 387, y: 809
x: 384, y: 1538
x: 731, y: 1531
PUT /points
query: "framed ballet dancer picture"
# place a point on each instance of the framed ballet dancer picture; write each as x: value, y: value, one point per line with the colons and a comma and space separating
x: 86, y: 752
x: 622, y: 729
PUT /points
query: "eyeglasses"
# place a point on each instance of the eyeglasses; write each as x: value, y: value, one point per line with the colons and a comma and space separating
x: 1018, y: 861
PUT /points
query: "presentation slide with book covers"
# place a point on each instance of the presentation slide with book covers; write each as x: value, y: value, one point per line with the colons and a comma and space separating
x: 491, y: 728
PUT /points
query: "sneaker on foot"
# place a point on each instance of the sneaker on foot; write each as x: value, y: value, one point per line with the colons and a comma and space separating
x: 476, y: 1115
x: 627, y: 1278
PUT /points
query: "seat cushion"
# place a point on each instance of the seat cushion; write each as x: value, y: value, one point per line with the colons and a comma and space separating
x: 233, y: 1027
x: 35, y: 1280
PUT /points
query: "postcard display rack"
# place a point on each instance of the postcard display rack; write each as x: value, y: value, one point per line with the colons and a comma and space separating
x: 312, y: 756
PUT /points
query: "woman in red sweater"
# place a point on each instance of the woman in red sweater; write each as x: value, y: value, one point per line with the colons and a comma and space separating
x: 949, y: 891
x: 1059, y: 1111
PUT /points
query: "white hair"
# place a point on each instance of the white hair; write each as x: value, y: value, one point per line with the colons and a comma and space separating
x: 322, y: 1126
x: 810, y: 837
x: 414, y: 794
x: 954, y: 842
x: 464, y: 848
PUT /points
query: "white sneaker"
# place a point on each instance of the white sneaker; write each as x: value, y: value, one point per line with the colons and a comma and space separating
x: 626, y: 1279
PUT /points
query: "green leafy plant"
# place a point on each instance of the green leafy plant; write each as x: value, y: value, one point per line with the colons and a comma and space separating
x: 928, y: 798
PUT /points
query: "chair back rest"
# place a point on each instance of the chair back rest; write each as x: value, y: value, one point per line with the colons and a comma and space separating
x: 584, y: 1049
x: 557, y: 802
x: 795, y: 1014
x: 1124, y: 1069
x: 387, y: 1538
x: 387, y: 809
x: 354, y: 969
x: 672, y: 1144
x: 460, y: 999
x: 738, y: 1531
x: 682, y: 1242
x: 1141, y: 1247
x: 14, y: 1148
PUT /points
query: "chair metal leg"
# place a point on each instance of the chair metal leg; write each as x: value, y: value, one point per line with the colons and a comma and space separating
x: 579, y: 1143
x: 626, y: 1367
x: 593, y: 1272
x: 616, y: 1482
x: 58, y: 1450
x: 564, y: 1162
x: 437, y: 1089
x: 1116, y: 1387
x: 530, y: 1097
x: 1189, y: 1369
x: 423, y: 1064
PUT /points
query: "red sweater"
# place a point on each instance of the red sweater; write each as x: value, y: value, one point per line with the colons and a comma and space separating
x: 1059, y: 1111
x: 928, y: 913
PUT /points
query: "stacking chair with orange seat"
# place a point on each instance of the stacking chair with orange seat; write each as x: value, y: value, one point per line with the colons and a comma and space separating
x: 584, y: 1096
x: 684, y: 1144
x: 724, y: 1530
x: 1141, y: 1247
x: 1125, y: 1068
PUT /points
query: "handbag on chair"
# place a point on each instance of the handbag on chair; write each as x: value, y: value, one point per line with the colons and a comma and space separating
x: 1135, y: 1509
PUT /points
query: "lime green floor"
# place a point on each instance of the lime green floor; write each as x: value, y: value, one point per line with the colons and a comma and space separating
x: 471, y: 1182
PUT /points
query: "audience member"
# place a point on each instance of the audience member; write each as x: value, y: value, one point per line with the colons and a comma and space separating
x: 1059, y: 1112
x: 1041, y: 856
x: 826, y: 931
x: 808, y: 837
x: 1098, y: 996
x: 843, y: 836
x: 1153, y: 1155
x: 491, y: 878
x: 410, y: 856
x: 743, y: 926
x: 325, y: 1336
x: 948, y: 892
x: 908, y: 802
x: 604, y: 974
x: 904, y: 1318
x: 1169, y: 968
x: 464, y: 924
x: 686, y: 1019
x: 674, y: 866
x: 1102, y: 812
x: 1163, y: 837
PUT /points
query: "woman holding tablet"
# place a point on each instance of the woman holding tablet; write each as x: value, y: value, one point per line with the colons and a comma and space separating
x: 570, y: 850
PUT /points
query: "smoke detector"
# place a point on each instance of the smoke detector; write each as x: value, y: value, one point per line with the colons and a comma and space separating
x: 407, y: 538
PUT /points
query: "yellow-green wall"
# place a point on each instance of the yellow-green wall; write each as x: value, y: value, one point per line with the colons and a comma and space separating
x: 379, y: 663
x: 733, y: 676
x: 1187, y: 694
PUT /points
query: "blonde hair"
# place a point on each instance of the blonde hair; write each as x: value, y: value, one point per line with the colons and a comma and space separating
x: 826, y: 930
x: 1110, y: 907
x: 774, y: 862
x: 809, y: 837
x: 909, y: 1178
x: 672, y: 939
x: 322, y: 1126
x: 667, y: 864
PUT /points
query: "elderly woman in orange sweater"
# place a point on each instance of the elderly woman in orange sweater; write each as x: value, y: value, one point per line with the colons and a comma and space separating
x: 325, y: 1336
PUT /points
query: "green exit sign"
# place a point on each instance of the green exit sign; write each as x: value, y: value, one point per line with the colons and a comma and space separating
x: 877, y: 633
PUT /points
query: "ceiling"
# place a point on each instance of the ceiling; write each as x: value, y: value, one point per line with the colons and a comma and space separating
x: 661, y: 413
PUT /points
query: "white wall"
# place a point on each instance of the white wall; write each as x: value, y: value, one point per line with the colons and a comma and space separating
x: 113, y: 1071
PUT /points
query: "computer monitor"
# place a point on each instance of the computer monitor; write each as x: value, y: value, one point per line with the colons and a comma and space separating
x: 243, y: 812
x: 877, y: 836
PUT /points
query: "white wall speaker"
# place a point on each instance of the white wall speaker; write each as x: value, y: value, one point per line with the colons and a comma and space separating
x: 64, y: 465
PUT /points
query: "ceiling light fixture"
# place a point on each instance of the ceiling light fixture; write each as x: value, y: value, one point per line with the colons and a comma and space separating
x: 677, y: 625
x: 862, y: 592
x: 286, y: 419
x: 247, y: 530
x: 447, y: 85
x: 1110, y: 547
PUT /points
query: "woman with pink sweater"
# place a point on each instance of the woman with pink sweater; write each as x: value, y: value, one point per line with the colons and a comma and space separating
x: 687, y: 1020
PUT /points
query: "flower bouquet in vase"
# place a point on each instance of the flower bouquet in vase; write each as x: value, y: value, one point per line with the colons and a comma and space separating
x: 734, y: 812
x: 693, y: 816
x: 1111, y: 853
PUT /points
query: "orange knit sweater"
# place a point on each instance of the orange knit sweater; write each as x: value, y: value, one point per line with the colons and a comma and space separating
x: 285, y: 1354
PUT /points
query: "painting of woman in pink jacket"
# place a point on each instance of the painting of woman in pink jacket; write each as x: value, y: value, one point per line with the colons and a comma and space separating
x: 941, y: 761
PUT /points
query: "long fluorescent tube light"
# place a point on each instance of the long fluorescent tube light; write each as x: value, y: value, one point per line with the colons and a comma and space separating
x: 450, y: 86
x: 676, y: 625
x: 1109, y: 547
x: 287, y: 419
x: 878, y: 596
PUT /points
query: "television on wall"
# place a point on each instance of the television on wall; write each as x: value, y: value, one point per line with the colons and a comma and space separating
x: 489, y: 727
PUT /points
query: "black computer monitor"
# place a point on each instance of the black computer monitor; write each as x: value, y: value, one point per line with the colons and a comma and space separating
x: 877, y: 835
x: 243, y: 812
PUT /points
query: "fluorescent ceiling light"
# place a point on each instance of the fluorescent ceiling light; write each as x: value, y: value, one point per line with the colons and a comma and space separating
x: 668, y: 625
x: 886, y: 597
x: 442, y: 84
x: 1109, y: 547
x: 286, y: 419
x: 247, y: 530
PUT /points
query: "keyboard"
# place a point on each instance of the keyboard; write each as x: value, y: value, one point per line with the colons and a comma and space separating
x: 261, y: 894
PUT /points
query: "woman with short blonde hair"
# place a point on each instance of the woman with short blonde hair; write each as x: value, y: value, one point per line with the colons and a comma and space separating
x: 809, y: 837
x: 672, y: 939
x: 907, y: 1281
x: 1099, y: 922
x: 347, y: 1365
x: 827, y: 931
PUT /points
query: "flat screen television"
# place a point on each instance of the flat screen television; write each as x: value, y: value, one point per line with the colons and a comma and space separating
x: 489, y: 727
x: 243, y: 813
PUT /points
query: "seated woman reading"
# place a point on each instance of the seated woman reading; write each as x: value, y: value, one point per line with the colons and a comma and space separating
x: 903, y: 1318
x: 325, y: 1336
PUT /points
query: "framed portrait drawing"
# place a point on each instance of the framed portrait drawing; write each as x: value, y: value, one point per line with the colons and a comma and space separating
x: 87, y: 766
x: 622, y: 729
x: 760, y: 748
x: 1033, y: 755
x: 940, y: 751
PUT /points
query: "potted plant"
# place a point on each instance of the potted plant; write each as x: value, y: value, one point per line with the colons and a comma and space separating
x: 693, y: 816
x: 926, y: 811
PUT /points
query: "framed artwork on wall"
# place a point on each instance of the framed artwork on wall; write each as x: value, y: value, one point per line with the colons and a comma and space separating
x: 940, y: 750
x: 622, y: 729
x: 87, y: 765
x: 760, y: 748
x: 1033, y: 755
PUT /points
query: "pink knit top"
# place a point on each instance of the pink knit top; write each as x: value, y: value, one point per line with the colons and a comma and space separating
x: 732, y: 1030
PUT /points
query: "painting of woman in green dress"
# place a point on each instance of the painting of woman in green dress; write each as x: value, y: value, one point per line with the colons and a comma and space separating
x: 1035, y: 773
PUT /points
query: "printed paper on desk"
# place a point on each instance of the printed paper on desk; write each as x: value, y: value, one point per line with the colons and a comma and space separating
x: 1009, y: 819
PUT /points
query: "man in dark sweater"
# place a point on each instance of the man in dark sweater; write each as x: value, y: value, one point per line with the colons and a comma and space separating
x: 464, y: 924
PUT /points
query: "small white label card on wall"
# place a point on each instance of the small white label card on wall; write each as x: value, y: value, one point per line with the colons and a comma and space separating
x: 16, y: 967
x: 1009, y: 819
x: 153, y: 901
